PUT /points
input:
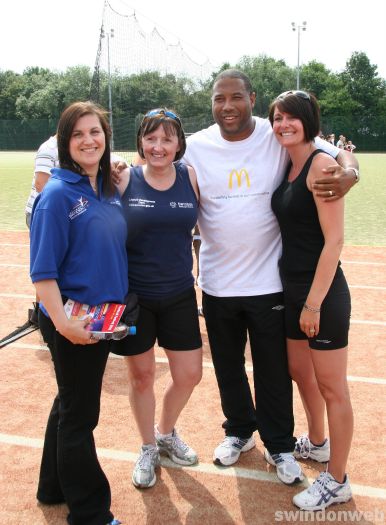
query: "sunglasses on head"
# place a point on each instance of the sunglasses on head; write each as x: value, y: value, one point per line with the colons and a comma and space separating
x: 299, y: 94
x: 160, y: 112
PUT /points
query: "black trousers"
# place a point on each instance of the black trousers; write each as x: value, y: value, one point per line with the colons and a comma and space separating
x: 70, y: 471
x: 229, y: 321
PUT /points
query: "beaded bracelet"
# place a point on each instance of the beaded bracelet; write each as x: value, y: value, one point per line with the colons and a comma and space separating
x: 311, y: 308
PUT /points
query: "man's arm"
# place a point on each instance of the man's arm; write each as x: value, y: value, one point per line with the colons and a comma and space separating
x: 341, y: 180
x: 41, y: 179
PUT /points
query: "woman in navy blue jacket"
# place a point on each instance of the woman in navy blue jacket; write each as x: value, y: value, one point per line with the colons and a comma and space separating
x: 76, y: 222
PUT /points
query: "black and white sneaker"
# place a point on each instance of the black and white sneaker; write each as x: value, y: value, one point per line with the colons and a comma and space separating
x: 229, y: 450
x: 305, y: 449
x: 288, y: 469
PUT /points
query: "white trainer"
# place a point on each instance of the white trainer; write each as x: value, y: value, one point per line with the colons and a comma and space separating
x: 305, y: 449
x: 325, y: 491
x: 288, y: 469
x: 173, y: 446
x: 144, y: 475
x: 229, y: 450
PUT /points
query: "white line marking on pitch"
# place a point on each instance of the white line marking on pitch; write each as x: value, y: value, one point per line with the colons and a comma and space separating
x: 205, y: 364
x: 363, y: 287
x: 3, y: 265
x: 364, y: 263
x: 377, y: 323
x: 14, y: 245
x: 204, y: 468
x: 352, y: 286
x: 26, y: 296
x: 17, y: 296
x: 344, y: 261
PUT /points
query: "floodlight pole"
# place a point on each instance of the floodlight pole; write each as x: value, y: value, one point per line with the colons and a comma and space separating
x: 298, y: 27
x: 109, y: 34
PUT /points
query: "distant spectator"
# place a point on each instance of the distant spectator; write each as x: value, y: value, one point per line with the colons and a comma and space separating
x: 350, y: 146
x: 341, y: 142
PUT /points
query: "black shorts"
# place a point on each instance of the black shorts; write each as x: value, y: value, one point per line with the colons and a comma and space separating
x: 173, y: 322
x: 334, y: 315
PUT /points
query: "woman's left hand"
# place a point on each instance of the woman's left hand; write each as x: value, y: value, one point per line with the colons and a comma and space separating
x: 309, y: 323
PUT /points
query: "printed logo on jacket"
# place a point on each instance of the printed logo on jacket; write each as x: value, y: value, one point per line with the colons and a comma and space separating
x: 79, y: 208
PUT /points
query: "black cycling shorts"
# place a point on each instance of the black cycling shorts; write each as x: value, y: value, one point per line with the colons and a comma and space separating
x: 173, y: 322
x: 334, y: 315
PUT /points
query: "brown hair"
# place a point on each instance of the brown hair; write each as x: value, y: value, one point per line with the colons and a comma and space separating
x: 301, y: 105
x: 171, y: 123
x: 67, y: 122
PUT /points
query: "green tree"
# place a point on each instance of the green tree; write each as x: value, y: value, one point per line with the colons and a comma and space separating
x: 269, y: 78
x: 74, y: 84
x: 38, y: 95
x: 316, y: 78
x: 10, y: 86
x: 363, y: 84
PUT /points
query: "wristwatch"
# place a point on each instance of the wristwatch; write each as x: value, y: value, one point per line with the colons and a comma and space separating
x: 356, y: 173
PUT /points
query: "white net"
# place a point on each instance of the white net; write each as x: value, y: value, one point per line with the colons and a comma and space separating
x: 138, y: 45
x: 130, y: 46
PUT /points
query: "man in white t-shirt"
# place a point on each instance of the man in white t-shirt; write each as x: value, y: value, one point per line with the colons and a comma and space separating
x: 341, y: 142
x: 45, y: 159
x: 239, y: 164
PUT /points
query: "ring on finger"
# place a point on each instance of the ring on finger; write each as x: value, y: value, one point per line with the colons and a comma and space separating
x: 331, y: 193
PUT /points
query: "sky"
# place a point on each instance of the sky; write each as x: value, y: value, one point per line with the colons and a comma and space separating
x: 58, y: 34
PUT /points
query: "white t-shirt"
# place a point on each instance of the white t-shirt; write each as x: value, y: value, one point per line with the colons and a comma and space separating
x: 241, y: 242
x: 46, y: 158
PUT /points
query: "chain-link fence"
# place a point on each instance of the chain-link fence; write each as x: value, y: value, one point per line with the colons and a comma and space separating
x: 368, y: 134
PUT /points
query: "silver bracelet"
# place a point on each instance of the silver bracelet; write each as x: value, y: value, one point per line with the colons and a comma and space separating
x: 311, y: 308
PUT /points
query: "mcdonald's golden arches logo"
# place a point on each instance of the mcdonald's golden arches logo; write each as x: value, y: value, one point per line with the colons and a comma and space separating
x: 239, y: 177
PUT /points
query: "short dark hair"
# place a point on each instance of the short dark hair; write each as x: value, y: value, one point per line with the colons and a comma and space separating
x: 67, y: 122
x: 305, y: 108
x: 235, y: 73
x: 171, y: 123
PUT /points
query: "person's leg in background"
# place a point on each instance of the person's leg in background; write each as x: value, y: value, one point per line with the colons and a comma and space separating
x: 33, y: 313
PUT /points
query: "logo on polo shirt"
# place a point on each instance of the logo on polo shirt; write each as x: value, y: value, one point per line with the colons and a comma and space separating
x: 116, y: 201
x: 79, y: 208
x: 239, y: 178
x: 181, y: 204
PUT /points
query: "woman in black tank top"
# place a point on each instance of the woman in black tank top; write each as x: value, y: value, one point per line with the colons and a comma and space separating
x: 317, y: 298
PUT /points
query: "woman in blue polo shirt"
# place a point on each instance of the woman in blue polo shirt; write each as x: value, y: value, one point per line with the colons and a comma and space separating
x: 78, y: 235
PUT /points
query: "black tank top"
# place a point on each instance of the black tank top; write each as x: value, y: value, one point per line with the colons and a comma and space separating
x: 302, y: 236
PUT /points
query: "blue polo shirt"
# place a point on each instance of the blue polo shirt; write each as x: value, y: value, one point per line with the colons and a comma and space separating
x: 78, y: 239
